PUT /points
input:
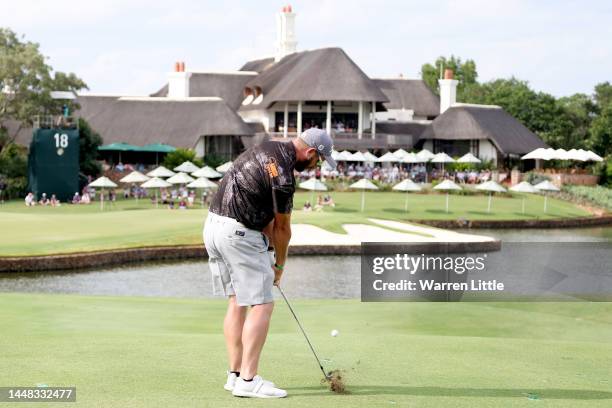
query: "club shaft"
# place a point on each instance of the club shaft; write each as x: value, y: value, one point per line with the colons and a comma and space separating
x: 303, y: 332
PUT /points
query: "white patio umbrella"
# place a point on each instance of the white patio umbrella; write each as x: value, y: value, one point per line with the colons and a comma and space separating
x: 447, y: 185
x: 561, y: 154
x: 207, y: 172
x: 357, y: 157
x: 546, y: 186
x: 156, y: 183
x: 425, y: 155
x: 344, y: 155
x: 490, y: 186
x: 539, y: 154
x: 180, y: 178
x: 468, y: 158
x: 225, y: 167
x: 574, y: 154
x: 335, y: 154
x: 160, y: 172
x: 592, y: 156
x: 400, y: 154
x: 187, y: 167
x: 388, y: 158
x: 363, y: 185
x: 370, y: 157
x: 204, y: 184
x: 407, y: 186
x: 312, y: 184
x: 442, y: 158
x: 524, y: 187
x: 102, y: 182
x: 135, y: 177
x: 411, y: 158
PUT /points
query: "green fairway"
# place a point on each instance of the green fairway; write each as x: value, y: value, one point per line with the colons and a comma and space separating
x: 152, y: 352
x: 76, y: 228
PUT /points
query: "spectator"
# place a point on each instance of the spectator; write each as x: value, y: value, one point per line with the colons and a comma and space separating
x: 54, y: 201
x: 76, y: 198
x: 307, y: 206
x: 85, y: 198
x: 29, y: 200
x: 44, y: 200
x: 327, y: 200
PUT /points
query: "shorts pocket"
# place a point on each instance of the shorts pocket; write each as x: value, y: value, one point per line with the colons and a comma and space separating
x: 248, y: 239
x: 221, y: 279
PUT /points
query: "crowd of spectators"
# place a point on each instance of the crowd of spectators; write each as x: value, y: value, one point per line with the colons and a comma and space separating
x: 392, y: 174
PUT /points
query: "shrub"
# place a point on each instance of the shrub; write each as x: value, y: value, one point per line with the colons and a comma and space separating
x: 598, y: 195
x: 213, y: 160
x: 535, y: 178
x: 14, y: 170
x: 179, y: 156
x: 604, y: 171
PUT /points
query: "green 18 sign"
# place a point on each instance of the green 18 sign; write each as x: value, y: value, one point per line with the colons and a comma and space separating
x: 61, y: 142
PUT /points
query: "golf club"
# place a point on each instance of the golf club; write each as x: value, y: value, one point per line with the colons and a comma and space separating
x: 327, y: 377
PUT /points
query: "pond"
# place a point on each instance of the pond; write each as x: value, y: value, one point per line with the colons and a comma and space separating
x: 327, y: 277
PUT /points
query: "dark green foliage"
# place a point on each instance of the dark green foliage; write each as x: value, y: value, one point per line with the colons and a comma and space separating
x: 179, y: 156
x: 89, y: 141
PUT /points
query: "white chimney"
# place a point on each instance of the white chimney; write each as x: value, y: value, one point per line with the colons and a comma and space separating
x: 285, y: 33
x: 448, y: 90
x: 178, y: 81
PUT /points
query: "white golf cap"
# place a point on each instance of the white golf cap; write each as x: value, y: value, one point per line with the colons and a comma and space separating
x: 320, y: 140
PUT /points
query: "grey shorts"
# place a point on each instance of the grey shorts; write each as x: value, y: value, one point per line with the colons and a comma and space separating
x: 239, y: 261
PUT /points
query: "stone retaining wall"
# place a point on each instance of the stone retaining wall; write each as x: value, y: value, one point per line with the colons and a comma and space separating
x: 134, y: 255
x: 578, y: 222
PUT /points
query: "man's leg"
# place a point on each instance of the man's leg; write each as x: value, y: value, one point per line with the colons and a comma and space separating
x: 232, y: 328
x: 254, y: 335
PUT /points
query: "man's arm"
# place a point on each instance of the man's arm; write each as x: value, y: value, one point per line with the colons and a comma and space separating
x: 281, y: 234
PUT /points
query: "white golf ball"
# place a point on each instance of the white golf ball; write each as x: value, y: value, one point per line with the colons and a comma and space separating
x: 334, y: 333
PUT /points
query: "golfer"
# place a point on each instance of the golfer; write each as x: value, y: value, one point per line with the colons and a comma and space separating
x: 250, y: 212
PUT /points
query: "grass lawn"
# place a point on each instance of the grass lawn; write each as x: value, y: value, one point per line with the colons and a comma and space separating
x: 153, y: 352
x: 65, y: 229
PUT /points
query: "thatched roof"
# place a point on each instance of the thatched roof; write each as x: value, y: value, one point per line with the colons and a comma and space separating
x: 393, y: 127
x: 464, y: 122
x: 177, y: 122
x: 258, y: 65
x: 318, y: 75
x: 226, y: 85
x: 410, y: 94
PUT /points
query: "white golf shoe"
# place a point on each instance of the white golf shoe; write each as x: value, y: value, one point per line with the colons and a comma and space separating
x: 258, y: 388
x: 231, y: 381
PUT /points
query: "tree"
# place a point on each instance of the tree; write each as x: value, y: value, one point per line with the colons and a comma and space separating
x: 13, y: 170
x: 179, y: 156
x: 464, y: 72
x: 601, y: 132
x: 89, y: 141
x: 26, y: 82
x: 603, y: 94
x: 580, y: 110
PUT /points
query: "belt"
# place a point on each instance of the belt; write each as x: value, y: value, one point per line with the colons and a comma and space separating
x: 223, y: 219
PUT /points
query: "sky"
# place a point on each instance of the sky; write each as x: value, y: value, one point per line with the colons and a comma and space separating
x: 127, y: 47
